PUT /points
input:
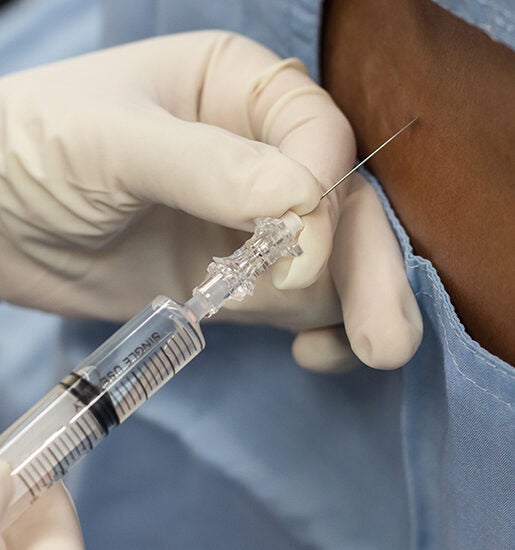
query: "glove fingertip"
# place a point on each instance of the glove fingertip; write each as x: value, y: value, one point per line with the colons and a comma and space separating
x: 388, y: 345
x: 316, y: 240
x: 294, y: 274
x: 324, y: 351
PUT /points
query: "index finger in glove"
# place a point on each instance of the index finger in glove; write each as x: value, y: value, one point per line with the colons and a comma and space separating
x: 236, y: 84
x: 180, y: 130
x: 276, y: 102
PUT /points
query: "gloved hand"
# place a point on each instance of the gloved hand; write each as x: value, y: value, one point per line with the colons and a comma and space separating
x: 381, y: 320
x: 121, y: 172
x: 51, y: 523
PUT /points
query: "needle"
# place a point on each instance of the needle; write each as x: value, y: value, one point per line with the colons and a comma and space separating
x: 367, y: 158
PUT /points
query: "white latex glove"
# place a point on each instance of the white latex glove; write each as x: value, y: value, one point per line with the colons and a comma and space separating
x: 121, y: 171
x: 51, y: 523
x: 382, y: 321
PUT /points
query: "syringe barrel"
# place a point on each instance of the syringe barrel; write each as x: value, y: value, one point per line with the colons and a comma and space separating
x: 106, y: 388
x: 110, y: 384
x: 143, y: 355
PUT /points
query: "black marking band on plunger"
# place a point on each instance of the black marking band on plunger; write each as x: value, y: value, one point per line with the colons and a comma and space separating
x: 102, y: 407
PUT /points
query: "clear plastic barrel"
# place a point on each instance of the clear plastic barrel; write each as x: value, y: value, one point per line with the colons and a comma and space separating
x: 143, y: 355
x: 105, y: 389
x: 110, y: 384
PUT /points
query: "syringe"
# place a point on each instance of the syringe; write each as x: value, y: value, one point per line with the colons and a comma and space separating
x: 118, y: 377
x: 146, y: 352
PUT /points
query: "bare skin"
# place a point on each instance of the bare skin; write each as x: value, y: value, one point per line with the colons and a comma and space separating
x: 451, y: 180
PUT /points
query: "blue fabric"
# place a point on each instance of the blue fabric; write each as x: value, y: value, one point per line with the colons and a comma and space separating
x: 33, y: 32
x: 290, y: 28
x: 244, y: 449
x: 457, y: 425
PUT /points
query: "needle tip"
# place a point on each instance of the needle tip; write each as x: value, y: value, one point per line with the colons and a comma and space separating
x: 391, y: 138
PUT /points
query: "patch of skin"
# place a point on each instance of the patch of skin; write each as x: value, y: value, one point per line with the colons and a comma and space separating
x: 451, y: 182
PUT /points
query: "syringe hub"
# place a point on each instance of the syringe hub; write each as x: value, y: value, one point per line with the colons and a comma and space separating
x: 234, y: 277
